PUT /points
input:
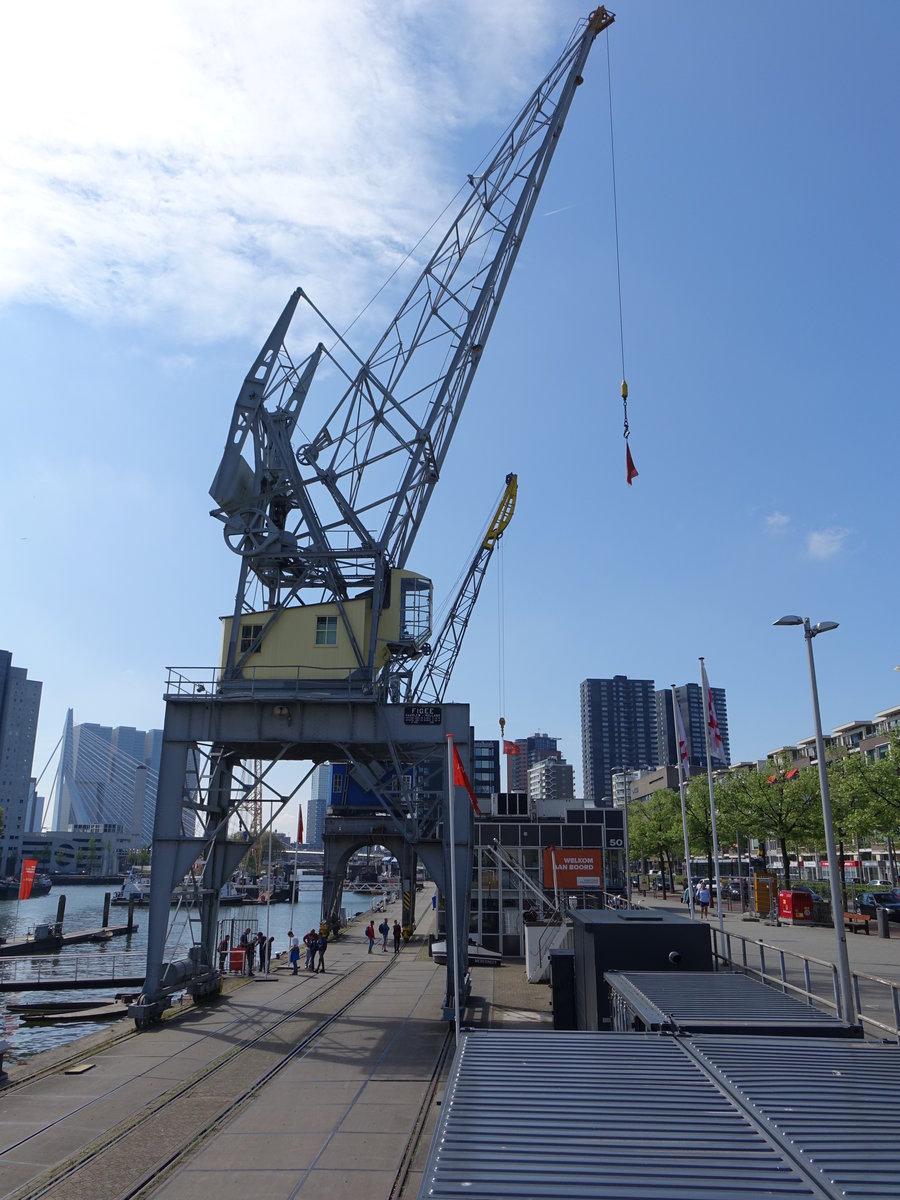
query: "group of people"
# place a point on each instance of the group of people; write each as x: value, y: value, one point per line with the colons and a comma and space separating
x: 259, y: 947
x: 316, y: 944
x: 253, y: 946
x: 385, y: 931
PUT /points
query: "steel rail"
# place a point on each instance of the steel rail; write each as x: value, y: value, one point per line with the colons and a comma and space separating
x: 188, y: 1136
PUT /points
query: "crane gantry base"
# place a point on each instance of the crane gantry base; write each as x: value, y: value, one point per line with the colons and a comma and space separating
x: 213, y: 744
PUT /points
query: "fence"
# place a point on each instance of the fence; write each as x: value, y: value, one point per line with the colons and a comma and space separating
x: 813, y: 980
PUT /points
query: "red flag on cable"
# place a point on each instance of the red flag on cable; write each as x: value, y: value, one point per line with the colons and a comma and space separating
x: 461, y: 779
x: 300, y: 827
x: 29, y: 866
x: 631, y: 470
x: 511, y: 747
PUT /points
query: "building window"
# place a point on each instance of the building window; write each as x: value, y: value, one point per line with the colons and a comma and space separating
x: 249, y: 633
x: 326, y: 631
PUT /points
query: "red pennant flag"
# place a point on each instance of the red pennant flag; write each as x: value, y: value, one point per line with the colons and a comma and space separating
x: 300, y: 827
x: 631, y: 470
x: 511, y: 747
x: 29, y: 866
x: 461, y: 779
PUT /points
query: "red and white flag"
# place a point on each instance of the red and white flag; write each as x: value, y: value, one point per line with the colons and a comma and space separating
x: 511, y: 747
x: 461, y: 779
x: 716, y: 745
x: 684, y: 756
x: 29, y: 866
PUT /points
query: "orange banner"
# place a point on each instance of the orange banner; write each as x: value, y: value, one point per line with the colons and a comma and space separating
x: 29, y: 866
x: 575, y: 868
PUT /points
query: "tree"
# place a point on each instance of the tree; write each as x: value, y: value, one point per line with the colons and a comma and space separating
x: 652, y: 828
x: 783, y: 803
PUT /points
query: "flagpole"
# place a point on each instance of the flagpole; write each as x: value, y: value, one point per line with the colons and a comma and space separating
x: 451, y: 936
x: 681, y: 783
x: 712, y: 800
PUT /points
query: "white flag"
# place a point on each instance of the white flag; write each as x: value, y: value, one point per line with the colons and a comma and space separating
x: 684, y: 757
x: 716, y: 745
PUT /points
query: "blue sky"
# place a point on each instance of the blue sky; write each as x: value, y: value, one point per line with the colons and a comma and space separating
x: 169, y: 174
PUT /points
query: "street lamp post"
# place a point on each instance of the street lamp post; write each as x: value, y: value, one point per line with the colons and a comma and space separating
x: 837, y: 904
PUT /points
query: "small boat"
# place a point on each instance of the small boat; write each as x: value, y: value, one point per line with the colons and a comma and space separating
x: 135, y: 889
x: 478, y: 955
x: 70, y: 1011
x: 230, y: 896
x: 9, y: 887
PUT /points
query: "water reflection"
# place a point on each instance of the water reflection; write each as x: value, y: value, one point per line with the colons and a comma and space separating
x: 122, y: 956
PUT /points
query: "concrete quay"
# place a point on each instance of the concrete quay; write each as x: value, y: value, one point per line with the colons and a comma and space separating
x: 352, y: 1115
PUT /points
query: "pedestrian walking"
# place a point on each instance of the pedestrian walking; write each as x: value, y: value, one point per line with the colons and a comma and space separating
x: 223, y: 954
x: 398, y: 934
x: 370, y: 934
x: 261, y: 951
x: 321, y: 947
x: 703, y: 898
x: 269, y: 944
x: 293, y: 951
x: 251, y: 952
x: 384, y: 929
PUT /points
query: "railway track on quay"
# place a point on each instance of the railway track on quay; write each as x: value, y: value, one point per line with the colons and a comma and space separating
x: 133, y: 1157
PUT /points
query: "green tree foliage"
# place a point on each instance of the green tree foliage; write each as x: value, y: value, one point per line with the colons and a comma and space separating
x: 783, y: 805
x: 654, y: 829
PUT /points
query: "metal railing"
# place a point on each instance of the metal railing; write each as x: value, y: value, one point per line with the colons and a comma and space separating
x: 72, y: 965
x: 312, y: 681
x: 813, y: 980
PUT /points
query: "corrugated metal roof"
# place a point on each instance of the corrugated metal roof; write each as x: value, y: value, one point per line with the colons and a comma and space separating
x: 692, y: 1001
x: 587, y: 1115
x: 833, y: 1104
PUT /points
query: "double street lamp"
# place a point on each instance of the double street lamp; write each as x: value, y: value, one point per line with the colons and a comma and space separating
x: 837, y: 903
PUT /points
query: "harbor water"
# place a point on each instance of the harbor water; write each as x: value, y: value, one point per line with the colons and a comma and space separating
x: 123, y: 956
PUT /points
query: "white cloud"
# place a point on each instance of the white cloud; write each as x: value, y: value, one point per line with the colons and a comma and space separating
x: 192, y: 163
x: 825, y: 543
x: 777, y: 522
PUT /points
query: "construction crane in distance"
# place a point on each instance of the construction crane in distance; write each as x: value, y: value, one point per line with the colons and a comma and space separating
x: 429, y: 682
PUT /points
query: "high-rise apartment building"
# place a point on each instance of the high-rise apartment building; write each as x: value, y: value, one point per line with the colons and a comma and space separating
x: 550, y: 780
x: 690, y: 701
x: 20, y: 704
x: 320, y: 798
x: 618, y: 731
x: 532, y: 750
x: 486, y: 768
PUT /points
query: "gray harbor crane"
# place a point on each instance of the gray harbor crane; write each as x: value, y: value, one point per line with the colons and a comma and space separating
x: 329, y: 465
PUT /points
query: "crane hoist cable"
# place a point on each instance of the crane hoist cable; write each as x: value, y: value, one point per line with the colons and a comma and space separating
x: 631, y: 470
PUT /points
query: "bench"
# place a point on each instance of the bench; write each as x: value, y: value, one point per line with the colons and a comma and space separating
x: 857, y: 921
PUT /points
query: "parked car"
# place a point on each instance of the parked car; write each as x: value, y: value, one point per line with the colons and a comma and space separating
x: 868, y: 903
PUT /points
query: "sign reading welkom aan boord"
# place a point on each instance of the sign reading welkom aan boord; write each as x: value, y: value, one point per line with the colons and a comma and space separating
x: 575, y: 867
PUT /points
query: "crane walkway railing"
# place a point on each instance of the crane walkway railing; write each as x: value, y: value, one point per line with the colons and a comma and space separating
x: 813, y: 980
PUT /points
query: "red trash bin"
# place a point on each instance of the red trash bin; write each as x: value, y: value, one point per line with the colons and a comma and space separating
x: 796, y: 907
x: 236, y: 961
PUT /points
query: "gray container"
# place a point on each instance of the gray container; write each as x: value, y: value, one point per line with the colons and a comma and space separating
x: 630, y: 940
x: 697, y: 1002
